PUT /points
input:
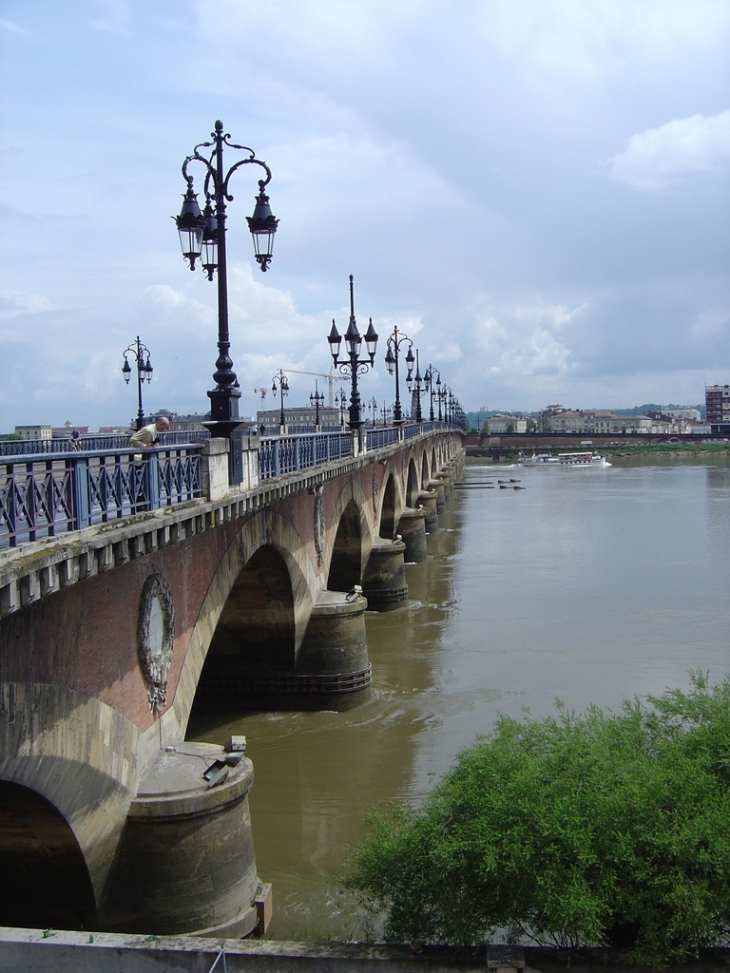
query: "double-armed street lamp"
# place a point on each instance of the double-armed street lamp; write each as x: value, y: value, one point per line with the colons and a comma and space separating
x: 353, y: 362
x: 141, y: 355
x: 416, y: 389
x: 385, y: 412
x: 373, y: 406
x: 433, y: 387
x: 341, y: 401
x: 203, y: 238
x: 283, y: 390
x: 316, y: 399
x: 391, y: 362
x: 441, y: 396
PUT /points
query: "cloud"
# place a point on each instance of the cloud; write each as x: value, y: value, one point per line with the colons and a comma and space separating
x: 13, y: 304
x: 661, y: 158
x: 11, y: 26
x: 113, y: 16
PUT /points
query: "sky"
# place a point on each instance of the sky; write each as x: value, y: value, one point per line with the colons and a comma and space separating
x: 536, y: 192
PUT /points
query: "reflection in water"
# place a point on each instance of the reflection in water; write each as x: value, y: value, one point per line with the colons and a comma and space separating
x: 588, y: 585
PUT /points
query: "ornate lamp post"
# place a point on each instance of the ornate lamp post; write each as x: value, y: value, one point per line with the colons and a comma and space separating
x: 356, y: 365
x: 203, y: 236
x: 373, y: 406
x: 441, y: 396
x: 141, y: 355
x: 316, y: 399
x: 391, y: 362
x: 341, y: 401
x: 432, y: 387
x: 283, y: 390
x: 416, y: 390
x: 385, y: 412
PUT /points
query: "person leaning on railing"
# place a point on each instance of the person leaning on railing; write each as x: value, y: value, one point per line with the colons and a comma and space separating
x: 148, y: 435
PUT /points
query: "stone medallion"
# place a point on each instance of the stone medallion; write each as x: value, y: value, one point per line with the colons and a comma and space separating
x: 155, y: 637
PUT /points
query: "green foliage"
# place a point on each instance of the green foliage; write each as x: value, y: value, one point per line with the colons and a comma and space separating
x: 588, y: 829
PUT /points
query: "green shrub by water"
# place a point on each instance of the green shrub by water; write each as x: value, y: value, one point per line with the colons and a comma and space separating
x: 579, y: 829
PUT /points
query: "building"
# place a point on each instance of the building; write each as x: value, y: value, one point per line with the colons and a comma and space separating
x: 502, y: 424
x: 300, y: 419
x: 34, y: 433
x: 717, y: 408
x: 603, y: 422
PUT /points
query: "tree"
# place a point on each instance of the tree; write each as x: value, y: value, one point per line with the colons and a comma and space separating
x: 587, y: 829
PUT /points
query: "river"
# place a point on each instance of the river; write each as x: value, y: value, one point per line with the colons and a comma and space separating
x: 587, y: 585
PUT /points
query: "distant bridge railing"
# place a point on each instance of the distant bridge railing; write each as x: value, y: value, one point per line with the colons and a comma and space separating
x: 287, y: 454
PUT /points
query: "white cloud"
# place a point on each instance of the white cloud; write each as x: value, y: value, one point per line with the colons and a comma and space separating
x: 113, y: 16
x: 660, y: 158
x: 13, y: 304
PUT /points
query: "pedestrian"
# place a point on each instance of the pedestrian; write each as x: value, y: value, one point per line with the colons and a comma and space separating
x: 76, y: 440
x: 148, y: 435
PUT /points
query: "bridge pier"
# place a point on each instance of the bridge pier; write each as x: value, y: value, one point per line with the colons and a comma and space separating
x: 412, y: 528
x: 384, y: 580
x: 332, y: 661
x: 427, y: 499
x: 185, y: 862
x: 438, y: 488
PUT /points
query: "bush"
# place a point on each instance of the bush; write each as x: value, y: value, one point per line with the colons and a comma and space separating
x: 576, y: 830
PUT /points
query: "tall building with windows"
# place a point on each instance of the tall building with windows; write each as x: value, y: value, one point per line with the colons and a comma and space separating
x: 717, y: 408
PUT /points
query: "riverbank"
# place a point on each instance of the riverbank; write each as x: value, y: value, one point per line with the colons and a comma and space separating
x: 51, y: 951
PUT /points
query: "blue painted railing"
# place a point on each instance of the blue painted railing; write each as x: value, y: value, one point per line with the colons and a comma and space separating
x: 44, y: 494
x: 287, y: 454
x: 47, y: 494
x: 91, y: 444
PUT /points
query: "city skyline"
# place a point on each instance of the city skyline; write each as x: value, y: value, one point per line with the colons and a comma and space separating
x: 536, y: 193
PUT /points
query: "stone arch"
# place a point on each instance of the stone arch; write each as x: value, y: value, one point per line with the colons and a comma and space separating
x: 45, y: 880
x: 352, y: 492
x: 256, y: 629
x: 434, y: 463
x: 412, y: 486
x: 266, y: 528
x: 389, y: 508
x: 425, y: 474
x: 346, y: 561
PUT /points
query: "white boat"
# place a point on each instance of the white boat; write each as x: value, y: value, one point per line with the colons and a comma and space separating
x: 538, y: 458
x: 583, y: 458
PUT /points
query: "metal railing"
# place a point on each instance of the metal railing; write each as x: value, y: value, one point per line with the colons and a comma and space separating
x: 382, y: 437
x: 47, y: 494
x: 44, y: 494
x: 287, y: 454
x: 91, y: 444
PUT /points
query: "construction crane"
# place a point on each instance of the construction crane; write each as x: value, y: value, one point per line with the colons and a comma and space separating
x: 330, y: 381
x: 260, y: 390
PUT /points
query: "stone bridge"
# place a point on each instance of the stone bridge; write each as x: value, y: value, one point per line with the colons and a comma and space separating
x: 109, y: 635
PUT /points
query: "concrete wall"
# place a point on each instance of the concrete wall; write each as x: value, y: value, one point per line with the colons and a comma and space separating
x: 26, y: 951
